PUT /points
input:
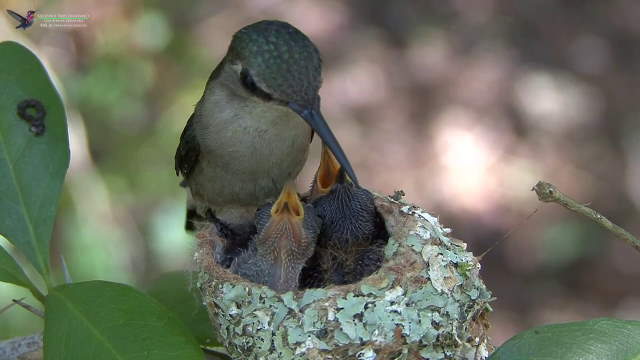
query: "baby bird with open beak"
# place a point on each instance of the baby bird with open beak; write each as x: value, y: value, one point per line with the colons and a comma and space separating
x: 347, y: 248
x: 286, y: 239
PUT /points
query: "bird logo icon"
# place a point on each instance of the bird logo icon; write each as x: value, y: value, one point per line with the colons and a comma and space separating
x: 25, y: 21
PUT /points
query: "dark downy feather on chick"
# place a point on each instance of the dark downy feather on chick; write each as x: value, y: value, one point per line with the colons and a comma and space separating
x: 348, y: 247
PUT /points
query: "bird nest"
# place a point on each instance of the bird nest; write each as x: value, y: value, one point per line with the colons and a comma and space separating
x: 426, y: 301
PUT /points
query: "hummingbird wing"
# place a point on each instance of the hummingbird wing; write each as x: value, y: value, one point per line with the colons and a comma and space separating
x: 188, y: 150
x: 185, y: 161
x: 16, y: 16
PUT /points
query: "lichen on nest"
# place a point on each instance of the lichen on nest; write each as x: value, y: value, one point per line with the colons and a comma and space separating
x: 427, y: 301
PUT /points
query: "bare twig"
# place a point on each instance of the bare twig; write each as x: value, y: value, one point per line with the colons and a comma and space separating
x: 506, y: 236
x: 549, y: 193
x: 29, y: 308
x: 8, y: 306
x: 13, y: 348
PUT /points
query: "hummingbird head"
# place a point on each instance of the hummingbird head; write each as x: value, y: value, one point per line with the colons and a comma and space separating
x: 278, y: 60
x: 278, y: 63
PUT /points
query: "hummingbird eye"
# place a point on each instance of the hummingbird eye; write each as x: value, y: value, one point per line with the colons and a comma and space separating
x: 247, y: 81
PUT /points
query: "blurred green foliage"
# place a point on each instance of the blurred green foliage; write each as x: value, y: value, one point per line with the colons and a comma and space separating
x: 80, y: 317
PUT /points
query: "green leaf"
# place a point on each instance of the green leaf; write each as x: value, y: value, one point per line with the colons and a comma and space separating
x: 12, y: 273
x: 32, y: 168
x: 597, y: 339
x: 100, y: 320
x: 175, y: 292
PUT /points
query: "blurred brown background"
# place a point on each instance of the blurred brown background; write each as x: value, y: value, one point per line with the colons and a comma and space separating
x: 462, y: 104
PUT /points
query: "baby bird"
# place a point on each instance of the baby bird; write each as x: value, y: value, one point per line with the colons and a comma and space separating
x: 347, y: 211
x: 347, y: 248
x: 286, y: 239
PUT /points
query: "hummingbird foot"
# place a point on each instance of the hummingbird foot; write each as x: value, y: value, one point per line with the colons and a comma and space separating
x: 224, y: 230
x: 234, y: 239
x: 192, y: 219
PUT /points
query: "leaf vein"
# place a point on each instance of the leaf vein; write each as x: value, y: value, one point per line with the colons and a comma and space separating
x: 89, y: 325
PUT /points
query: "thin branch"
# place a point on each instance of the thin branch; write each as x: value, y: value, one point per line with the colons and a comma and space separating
x: 549, y: 193
x: 65, y: 270
x: 13, y: 348
x: 506, y: 236
x: 29, y: 308
x: 7, y: 307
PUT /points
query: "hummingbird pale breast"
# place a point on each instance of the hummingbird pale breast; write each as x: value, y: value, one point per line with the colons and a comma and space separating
x: 249, y: 147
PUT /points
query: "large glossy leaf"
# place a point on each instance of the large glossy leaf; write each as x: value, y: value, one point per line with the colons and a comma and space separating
x: 598, y: 339
x: 176, y: 292
x: 100, y: 320
x: 32, y: 168
x: 11, y: 272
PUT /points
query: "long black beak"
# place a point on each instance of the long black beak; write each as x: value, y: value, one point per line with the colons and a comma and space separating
x: 315, y: 119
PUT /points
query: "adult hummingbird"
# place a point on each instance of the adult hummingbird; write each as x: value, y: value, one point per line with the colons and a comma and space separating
x: 286, y: 239
x: 250, y: 132
x: 25, y: 21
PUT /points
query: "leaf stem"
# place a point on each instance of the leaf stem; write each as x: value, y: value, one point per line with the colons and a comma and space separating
x: 37, y: 294
x: 29, y: 308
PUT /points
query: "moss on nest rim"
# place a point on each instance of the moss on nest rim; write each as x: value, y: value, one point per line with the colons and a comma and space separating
x: 426, y: 302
